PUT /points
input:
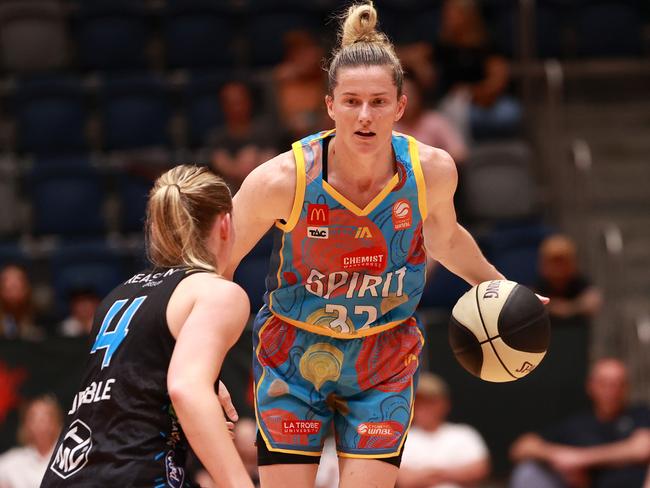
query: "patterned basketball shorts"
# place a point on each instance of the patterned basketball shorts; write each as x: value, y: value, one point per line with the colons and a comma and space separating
x: 306, y: 384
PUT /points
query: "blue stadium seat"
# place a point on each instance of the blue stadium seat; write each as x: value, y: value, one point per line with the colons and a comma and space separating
x: 443, y: 289
x: 58, y: 160
x: 513, y: 249
x: 51, y: 115
x: 91, y: 264
x: 198, y: 35
x: 202, y: 109
x: 66, y: 200
x: 112, y: 36
x: 12, y: 253
x: 135, y: 112
x: 610, y: 29
x: 133, y: 191
x: 497, y: 182
x: 271, y: 27
x: 250, y: 275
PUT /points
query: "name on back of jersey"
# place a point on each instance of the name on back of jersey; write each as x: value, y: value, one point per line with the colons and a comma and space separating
x: 97, y: 391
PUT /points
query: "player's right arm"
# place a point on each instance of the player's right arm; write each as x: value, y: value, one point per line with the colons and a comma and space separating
x: 206, y: 314
x: 266, y: 196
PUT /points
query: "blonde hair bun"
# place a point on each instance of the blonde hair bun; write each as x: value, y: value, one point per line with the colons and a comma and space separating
x: 360, y: 25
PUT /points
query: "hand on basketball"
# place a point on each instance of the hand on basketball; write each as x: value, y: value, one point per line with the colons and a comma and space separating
x: 231, y: 429
x: 543, y: 299
x: 226, y: 402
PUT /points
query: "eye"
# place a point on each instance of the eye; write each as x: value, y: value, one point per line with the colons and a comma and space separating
x: 379, y: 101
x: 350, y: 101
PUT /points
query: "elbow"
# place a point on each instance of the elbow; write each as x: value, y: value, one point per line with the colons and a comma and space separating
x: 182, y: 393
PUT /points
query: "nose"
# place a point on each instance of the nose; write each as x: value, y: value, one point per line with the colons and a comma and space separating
x: 365, y: 114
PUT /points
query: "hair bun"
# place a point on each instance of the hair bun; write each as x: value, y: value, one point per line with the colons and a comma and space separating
x: 359, y: 25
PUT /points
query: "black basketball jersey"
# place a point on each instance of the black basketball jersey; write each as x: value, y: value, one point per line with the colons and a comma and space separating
x: 121, y: 429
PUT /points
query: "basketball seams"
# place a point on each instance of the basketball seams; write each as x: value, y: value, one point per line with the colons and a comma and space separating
x: 480, y: 314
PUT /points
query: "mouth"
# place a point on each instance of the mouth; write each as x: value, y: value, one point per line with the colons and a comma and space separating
x: 365, y: 134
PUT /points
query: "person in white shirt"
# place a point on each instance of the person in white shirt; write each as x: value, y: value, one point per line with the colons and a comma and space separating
x: 438, y: 453
x: 40, y: 426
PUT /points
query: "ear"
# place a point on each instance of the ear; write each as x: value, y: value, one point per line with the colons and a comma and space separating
x: 401, y: 106
x: 329, y: 103
x: 225, y: 227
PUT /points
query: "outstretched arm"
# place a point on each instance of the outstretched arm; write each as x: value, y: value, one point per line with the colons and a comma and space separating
x: 265, y: 196
x: 445, y: 239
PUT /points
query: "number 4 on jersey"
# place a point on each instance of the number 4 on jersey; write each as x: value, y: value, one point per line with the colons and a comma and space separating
x: 112, y: 340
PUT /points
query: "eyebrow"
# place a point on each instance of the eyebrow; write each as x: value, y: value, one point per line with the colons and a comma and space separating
x: 372, y: 94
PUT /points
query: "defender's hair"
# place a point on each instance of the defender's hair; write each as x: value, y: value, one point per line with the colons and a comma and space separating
x: 181, y: 210
x: 361, y: 44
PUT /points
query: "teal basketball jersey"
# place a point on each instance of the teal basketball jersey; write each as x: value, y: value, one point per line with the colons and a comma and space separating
x: 344, y: 271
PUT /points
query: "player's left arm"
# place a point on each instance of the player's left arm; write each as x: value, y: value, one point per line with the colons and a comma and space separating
x: 445, y: 239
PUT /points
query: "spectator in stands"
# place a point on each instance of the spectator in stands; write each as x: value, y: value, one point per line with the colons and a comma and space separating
x: 429, y: 126
x: 82, y: 304
x: 16, y: 308
x: 300, y: 83
x: 38, y: 431
x: 471, y: 76
x: 608, y: 447
x: 244, y: 141
x: 573, y: 297
x: 439, y: 453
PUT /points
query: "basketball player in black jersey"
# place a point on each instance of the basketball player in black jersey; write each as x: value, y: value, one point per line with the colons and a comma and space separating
x: 160, y: 340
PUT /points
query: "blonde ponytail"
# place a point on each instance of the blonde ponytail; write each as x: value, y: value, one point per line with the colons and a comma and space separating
x: 361, y: 44
x: 181, y: 210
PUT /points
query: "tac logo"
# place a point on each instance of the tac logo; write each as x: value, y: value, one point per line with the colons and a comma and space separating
x: 402, y: 214
x: 318, y: 232
x: 363, y: 233
x: 318, y: 214
x: 72, y: 454
x: 375, y: 429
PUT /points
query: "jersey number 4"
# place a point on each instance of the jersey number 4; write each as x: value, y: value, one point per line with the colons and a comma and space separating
x: 111, y: 340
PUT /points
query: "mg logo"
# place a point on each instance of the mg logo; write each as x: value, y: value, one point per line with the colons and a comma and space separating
x: 318, y: 214
x: 72, y: 453
x: 363, y: 233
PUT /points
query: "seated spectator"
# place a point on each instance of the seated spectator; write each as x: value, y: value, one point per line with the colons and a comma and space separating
x: 243, y: 142
x: 82, y: 304
x: 300, y: 83
x: 471, y: 76
x: 438, y: 453
x: 573, y: 297
x: 38, y: 431
x: 16, y: 308
x: 608, y: 446
x: 429, y: 126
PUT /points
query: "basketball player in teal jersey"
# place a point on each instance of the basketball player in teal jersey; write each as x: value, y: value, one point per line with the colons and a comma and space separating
x: 355, y: 211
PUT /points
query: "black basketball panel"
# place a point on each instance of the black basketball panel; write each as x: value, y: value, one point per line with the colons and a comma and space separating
x: 523, y: 322
x: 465, y: 347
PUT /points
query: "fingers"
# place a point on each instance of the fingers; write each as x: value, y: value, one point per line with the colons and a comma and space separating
x: 226, y: 402
x: 543, y: 299
x: 231, y: 429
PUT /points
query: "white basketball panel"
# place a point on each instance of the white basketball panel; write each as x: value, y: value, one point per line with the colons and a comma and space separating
x: 491, y: 297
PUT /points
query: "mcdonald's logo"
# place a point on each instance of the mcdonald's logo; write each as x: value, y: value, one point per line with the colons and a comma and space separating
x: 318, y: 214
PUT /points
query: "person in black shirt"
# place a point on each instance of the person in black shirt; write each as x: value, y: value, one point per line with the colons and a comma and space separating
x: 160, y: 339
x: 608, y: 447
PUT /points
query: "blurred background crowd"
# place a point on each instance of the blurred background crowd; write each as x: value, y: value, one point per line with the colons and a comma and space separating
x: 543, y: 104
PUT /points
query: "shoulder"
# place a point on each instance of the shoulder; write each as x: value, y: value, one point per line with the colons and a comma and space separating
x: 275, y: 174
x: 438, y: 169
x: 212, y: 291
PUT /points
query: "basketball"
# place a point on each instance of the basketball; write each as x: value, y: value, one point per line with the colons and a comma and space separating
x: 499, y: 331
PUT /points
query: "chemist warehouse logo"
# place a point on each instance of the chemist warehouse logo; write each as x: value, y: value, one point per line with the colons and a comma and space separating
x: 72, y: 454
x: 375, y: 429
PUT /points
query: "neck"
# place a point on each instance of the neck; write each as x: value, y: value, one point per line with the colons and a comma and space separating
x: 362, y: 168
